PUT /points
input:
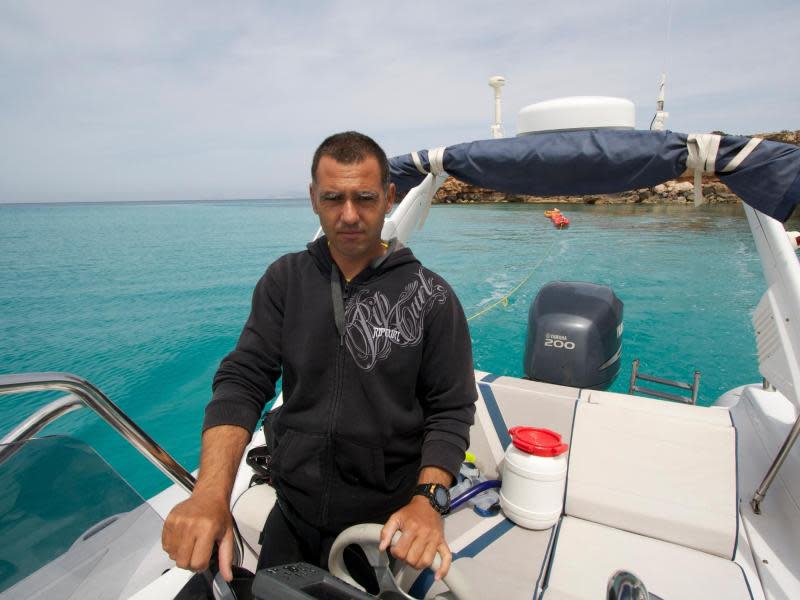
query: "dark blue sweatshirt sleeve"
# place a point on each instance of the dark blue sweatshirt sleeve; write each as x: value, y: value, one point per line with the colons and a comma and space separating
x: 446, y: 387
x: 245, y: 380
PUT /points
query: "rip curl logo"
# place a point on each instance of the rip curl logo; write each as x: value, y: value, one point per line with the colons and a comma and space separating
x: 392, y: 334
x: 374, y: 324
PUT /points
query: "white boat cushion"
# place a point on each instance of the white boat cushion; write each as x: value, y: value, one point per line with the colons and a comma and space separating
x: 662, y: 470
x: 496, y: 558
x: 586, y: 555
x: 521, y: 401
x: 506, y: 402
x: 713, y: 415
x: 250, y: 512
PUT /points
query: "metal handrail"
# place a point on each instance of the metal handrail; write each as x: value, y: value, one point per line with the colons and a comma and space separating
x: 96, y: 400
x: 91, y: 397
x: 10, y: 443
x: 783, y: 454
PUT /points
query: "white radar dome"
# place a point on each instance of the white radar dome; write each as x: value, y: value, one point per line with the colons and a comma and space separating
x: 576, y: 112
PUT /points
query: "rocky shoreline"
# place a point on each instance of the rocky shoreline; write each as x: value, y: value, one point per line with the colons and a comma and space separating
x: 677, y: 191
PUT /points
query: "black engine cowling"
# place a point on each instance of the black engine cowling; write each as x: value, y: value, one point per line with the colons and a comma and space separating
x: 574, y: 335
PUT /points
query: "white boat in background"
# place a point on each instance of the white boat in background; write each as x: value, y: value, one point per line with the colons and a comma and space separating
x: 686, y: 501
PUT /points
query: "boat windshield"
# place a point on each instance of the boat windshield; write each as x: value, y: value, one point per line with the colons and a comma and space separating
x: 70, y: 526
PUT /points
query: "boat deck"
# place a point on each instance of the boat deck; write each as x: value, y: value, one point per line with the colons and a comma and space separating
x: 675, y: 523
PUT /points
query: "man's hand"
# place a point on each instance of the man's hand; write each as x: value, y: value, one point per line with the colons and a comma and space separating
x: 191, y: 530
x: 194, y: 525
x: 423, y: 535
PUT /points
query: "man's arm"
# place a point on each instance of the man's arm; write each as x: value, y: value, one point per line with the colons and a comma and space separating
x: 446, y: 388
x: 195, y: 525
x: 242, y: 385
x: 422, y: 528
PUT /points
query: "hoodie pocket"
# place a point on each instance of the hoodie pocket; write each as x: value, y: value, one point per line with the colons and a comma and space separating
x: 360, y: 465
x: 297, y: 458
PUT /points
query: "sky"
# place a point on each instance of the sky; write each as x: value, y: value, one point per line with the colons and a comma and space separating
x: 199, y: 100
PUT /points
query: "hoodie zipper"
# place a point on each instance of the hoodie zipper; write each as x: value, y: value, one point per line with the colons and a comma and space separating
x: 338, y: 384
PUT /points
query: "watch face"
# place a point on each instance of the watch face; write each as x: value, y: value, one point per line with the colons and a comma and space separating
x: 441, y: 497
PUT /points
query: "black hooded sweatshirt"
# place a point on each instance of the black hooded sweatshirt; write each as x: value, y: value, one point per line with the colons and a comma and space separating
x: 377, y: 382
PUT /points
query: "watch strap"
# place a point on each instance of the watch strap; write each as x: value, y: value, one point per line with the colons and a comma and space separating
x: 429, y: 491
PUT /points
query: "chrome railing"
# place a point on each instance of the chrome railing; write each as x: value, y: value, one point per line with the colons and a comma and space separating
x: 96, y: 400
x: 12, y: 441
x: 772, y: 472
x: 83, y: 393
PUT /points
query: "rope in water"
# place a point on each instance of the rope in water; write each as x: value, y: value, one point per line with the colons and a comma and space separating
x: 504, y: 299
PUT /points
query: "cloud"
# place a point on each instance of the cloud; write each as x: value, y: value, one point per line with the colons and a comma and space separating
x: 152, y: 100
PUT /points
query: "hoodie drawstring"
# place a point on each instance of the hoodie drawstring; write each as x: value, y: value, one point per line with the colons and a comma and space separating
x: 338, y: 303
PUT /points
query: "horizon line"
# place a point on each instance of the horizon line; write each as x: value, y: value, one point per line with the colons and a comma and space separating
x: 158, y: 201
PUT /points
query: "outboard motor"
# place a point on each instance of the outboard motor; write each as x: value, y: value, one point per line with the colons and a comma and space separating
x: 574, y: 335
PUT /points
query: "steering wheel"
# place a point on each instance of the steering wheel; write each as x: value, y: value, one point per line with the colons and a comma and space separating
x: 368, y: 536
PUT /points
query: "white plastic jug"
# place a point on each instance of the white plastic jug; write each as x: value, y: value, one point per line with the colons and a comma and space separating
x: 534, y: 477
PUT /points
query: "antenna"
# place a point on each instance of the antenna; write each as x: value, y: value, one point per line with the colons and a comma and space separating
x: 660, y: 118
x: 497, y: 82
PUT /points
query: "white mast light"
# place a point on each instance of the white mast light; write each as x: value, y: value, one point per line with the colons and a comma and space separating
x: 497, y: 82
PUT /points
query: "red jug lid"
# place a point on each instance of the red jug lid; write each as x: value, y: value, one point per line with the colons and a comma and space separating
x: 539, y: 442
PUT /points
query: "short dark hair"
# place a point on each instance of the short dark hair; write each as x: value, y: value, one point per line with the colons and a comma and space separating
x: 349, y: 147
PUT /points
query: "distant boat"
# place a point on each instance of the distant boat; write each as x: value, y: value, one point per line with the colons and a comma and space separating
x: 557, y: 217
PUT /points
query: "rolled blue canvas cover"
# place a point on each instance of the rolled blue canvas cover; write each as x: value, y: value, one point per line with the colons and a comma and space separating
x: 610, y: 161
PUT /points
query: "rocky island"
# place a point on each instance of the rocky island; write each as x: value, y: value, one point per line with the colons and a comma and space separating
x: 676, y: 191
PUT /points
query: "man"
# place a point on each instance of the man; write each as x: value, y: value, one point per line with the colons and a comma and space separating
x: 378, y: 387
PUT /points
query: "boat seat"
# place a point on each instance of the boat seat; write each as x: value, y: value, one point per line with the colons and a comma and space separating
x: 587, y: 554
x: 506, y: 402
x: 250, y: 512
x: 662, y: 470
x: 492, y: 554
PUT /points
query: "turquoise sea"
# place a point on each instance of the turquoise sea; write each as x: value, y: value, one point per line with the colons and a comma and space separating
x: 144, y: 299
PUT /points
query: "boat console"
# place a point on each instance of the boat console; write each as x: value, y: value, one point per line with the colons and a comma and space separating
x: 302, y: 581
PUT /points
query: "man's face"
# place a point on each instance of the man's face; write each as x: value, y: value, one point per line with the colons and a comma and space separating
x: 351, y: 204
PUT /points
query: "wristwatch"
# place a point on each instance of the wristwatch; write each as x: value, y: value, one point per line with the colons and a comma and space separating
x: 437, y: 495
